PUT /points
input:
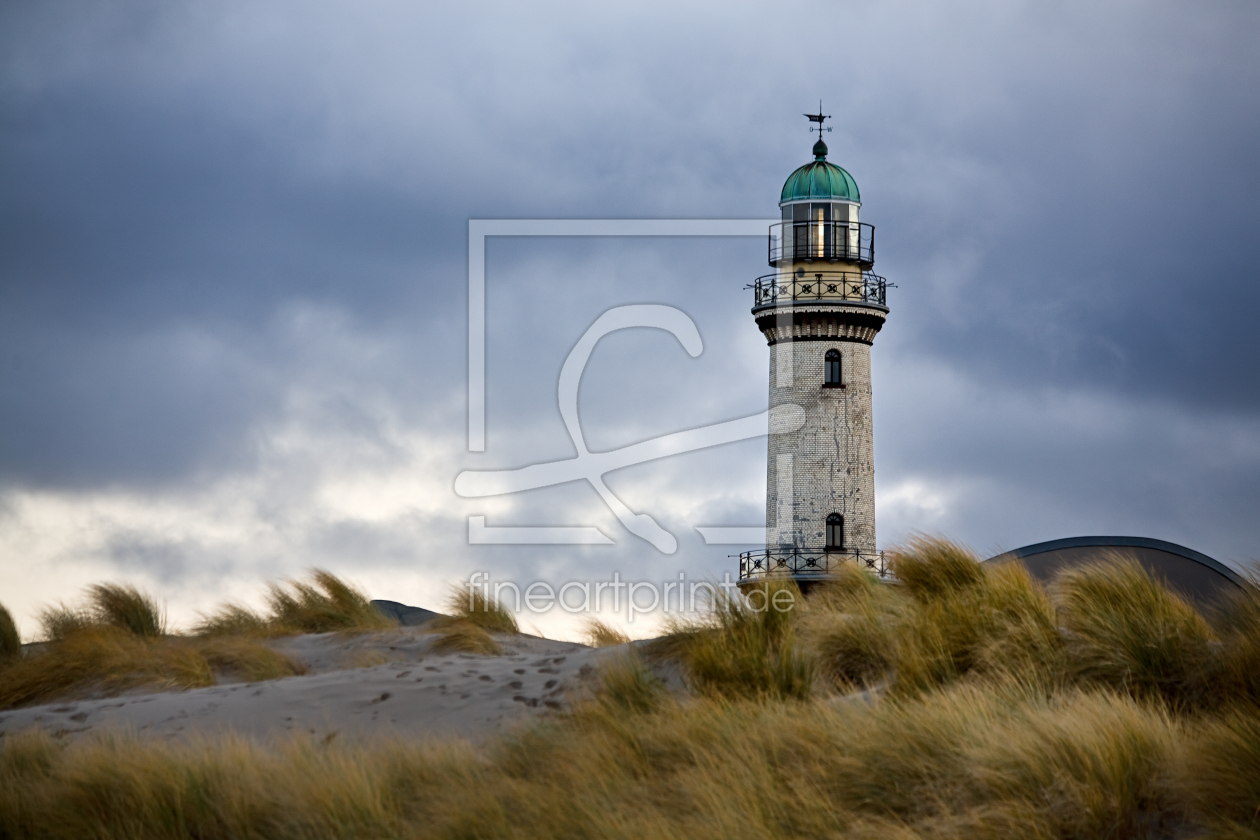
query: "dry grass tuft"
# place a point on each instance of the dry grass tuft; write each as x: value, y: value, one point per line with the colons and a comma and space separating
x: 117, y: 605
x: 472, y: 605
x: 1128, y: 631
x: 61, y: 621
x: 1002, y: 621
x: 848, y: 583
x: 10, y: 641
x: 325, y: 604
x: 127, y: 608
x: 598, y: 634
x: 1220, y: 772
x: 849, y: 625
x: 105, y: 661
x: 246, y: 659
x: 1088, y: 765
x: 854, y: 647
x: 627, y: 684
x: 1238, y: 661
x: 233, y: 620
x: 1108, y: 625
x: 931, y: 568
x: 746, y: 646
x: 462, y: 636
x: 117, y: 641
x: 1022, y: 640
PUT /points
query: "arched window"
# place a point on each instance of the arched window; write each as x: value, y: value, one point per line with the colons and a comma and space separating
x: 831, y: 370
x: 835, y: 531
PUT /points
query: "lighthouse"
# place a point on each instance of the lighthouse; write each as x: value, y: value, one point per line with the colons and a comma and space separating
x: 820, y: 308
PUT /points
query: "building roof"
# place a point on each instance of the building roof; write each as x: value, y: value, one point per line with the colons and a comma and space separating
x: 820, y: 180
x: 1195, y: 575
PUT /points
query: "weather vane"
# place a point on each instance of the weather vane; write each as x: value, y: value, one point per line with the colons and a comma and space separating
x: 818, y: 118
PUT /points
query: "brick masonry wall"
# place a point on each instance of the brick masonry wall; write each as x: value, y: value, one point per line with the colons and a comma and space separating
x: 828, y: 466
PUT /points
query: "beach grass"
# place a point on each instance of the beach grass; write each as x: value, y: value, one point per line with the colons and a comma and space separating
x: 115, y: 605
x: 60, y: 621
x: 1127, y: 630
x: 746, y: 645
x: 104, y: 660
x: 323, y: 604
x: 628, y: 684
x: 236, y: 620
x: 963, y: 702
x: 598, y: 634
x: 10, y: 640
x: 463, y: 636
x: 117, y: 640
x: 969, y: 761
x: 1219, y: 772
x: 472, y: 605
x: 127, y: 608
x: 1237, y: 624
x: 471, y: 618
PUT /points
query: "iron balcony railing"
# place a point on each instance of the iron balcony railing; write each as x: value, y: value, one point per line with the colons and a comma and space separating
x: 833, y: 241
x: 820, y: 285
x: 808, y: 562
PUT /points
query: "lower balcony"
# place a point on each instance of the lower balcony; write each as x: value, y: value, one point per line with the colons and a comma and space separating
x: 808, y: 563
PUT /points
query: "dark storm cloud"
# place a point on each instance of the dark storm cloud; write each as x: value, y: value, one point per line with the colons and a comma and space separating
x: 147, y: 245
x: 1064, y: 196
x: 1110, y: 234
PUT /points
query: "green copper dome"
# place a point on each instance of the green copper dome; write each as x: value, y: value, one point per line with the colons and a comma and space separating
x: 820, y: 180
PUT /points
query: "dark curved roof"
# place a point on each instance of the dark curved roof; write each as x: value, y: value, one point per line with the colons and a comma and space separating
x: 1195, y: 575
x: 405, y: 615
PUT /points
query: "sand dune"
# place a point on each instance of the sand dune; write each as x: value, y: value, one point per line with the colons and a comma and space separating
x: 358, y: 685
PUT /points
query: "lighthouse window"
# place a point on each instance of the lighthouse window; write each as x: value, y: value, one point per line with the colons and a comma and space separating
x: 835, y: 531
x: 831, y: 370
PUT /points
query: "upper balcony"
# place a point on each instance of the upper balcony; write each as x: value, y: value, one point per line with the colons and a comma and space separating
x: 832, y: 241
x: 820, y: 286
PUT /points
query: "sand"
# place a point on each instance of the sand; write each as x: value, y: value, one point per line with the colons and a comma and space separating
x: 371, y: 684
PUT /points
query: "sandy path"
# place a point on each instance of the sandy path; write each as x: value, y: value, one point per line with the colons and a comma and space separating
x: 414, y: 693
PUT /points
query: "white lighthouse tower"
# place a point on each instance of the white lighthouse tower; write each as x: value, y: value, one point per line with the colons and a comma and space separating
x: 820, y: 309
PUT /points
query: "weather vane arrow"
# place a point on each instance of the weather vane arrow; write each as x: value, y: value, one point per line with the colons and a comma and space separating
x: 818, y: 118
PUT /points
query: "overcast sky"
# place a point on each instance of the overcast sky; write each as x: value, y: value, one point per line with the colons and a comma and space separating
x: 233, y: 271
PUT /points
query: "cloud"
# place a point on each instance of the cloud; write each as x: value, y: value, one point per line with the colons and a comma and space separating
x: 232, y: 266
